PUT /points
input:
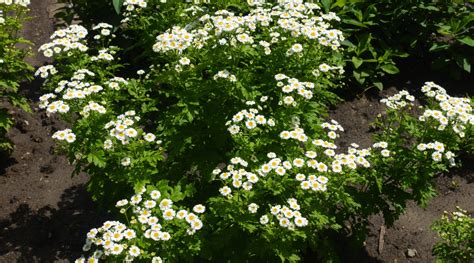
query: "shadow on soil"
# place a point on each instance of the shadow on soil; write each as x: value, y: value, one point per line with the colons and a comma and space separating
x: 5, y: 162
x: 50, y: 234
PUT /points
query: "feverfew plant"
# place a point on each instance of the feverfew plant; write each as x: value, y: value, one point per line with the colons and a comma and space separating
x: 216, y: 63
x: 231, y: 113
x: 456, y: 230
x: 156, y: 230
x: 13, y: 69
x: 106, y: 137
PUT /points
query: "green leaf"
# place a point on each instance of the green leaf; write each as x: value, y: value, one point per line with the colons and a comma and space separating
x: 467, y: 40
x: 358, y: 77
x: 354, y: 23
x: 429, y: 7
x: 357, y: 62
x: 364, y: 42
x: 436, y: 47
x: 390, y: 69
x: 97, y: 158
x: 378, y: 85
x: 326, y: 4
x: 463, y: 63
x: 117, y: 5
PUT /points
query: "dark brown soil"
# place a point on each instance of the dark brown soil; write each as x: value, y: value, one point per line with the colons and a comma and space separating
x: 44, y: 213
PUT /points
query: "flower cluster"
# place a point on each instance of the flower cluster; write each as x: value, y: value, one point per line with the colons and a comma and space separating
x: 131, y: 5
x: 291, y: 85
x: 122, y: 129
x: 455, y: 112
x: 352, y: 159
x: 327, y: 68
x: 65, y: 40
x: 154, y: 219
x: 45, y: 71
x: 65, y: 135
x: 297, y: 134
x: 56, y: 106
x: 116, y: 83
x: 287, y: 216
x: 177, y: 39
x: 92, y: 106
x: 383, y: 146
x: 105, y: 30
x: 104, y: 54
x: 438, y: 151
x: 399, y: 100
x: 240, y: 178
x: 249, y: 119
x: 75, y: 88
x: 290, y: 17
x: 313, y: 182
x: 225, y: 74
x: 333, y: 127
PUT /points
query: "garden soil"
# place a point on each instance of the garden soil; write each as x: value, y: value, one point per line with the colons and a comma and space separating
x: 45, y: 213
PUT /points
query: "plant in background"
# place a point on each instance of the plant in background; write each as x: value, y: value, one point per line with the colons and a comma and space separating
x: 13, y: 69
x: 427, y: 137
x: 378, y: 33
x: 456, y: 230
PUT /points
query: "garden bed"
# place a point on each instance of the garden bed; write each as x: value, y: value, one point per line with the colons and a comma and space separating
x: 45, y: 214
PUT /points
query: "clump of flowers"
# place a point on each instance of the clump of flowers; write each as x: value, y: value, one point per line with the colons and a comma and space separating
x: 297, y: 134
x: 64, y: 40
x: 225, y: 28
x: 453, y: 112
x: 438, y: 151
x: 46, y: 71
x: 104, y: 29
x: 116, y: 83
x: 131, y: 5
x: 177, y: 39
x: 122, y: 128
x: 383, y: 146
x: 291, y: 87
x: 333, y: 128
x: 104, y: 54
x: 399, y: 100
x: 288, y: 216
x: 92, y: 106
x: 239, y: 177
x: 75, y: 91
x: 248, y: 119
x: 224, y: 74
x: 156, y: 224
x: 65, y: 135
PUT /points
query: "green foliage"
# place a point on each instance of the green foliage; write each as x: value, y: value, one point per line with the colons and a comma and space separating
x: 13, y: 69
x: 456, y: 230
x: 231, y: 114
x: 88, y: 12
x: 380, y: 32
